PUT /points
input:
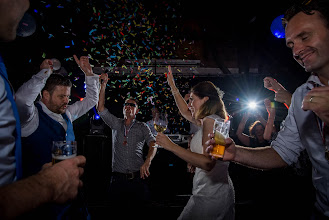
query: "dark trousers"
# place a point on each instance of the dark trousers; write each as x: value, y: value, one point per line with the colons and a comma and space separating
x: 128, y: 195
x: 128, y: 190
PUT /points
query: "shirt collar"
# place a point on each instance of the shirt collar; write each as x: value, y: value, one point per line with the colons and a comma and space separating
x: 48, y: 112
x: 313, y: 81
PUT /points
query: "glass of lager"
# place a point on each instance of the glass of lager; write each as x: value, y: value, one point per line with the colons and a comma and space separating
x: 221, y: 131
x: 62, y: 150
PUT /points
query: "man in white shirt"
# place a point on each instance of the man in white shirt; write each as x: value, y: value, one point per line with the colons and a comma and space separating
x: 50, y: 119
x: 306, y: 126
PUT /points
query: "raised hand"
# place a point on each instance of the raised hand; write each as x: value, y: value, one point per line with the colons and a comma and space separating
x: 170, y: 77
x: 268, y: 107
x: 84, y: 65
x: 281, y: 94
x: 103, y: 79
x: 46, y: 64
x: 272, y: 84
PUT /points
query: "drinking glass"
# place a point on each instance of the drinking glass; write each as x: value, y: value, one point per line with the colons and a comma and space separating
x: 62, y: 150
x: 160, y: 124
x: 221, y: 131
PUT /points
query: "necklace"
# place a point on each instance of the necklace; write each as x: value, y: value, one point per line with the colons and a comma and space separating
x: 126, y: 131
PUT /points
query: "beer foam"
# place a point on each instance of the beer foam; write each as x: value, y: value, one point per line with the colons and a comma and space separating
x: 63, y: 157
x: 219, y: 138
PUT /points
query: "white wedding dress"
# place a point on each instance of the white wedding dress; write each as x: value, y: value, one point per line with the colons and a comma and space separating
x: 213, y: 193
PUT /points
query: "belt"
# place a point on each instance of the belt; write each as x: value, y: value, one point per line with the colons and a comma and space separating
x: 128, y: 176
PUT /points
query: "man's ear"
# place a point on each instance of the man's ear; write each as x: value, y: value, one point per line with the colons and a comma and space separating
x: 45, y: 95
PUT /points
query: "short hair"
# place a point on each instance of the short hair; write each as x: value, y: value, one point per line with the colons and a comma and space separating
x: 214, y: 105
x: 56, y: 80
x: 133, y: 99
x: 155, y: 108
x: 252, y: 128
x: 307, y: 7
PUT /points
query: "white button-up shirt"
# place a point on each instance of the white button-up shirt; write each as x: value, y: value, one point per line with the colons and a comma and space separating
x: 301, y: 131
x: 29, y: 91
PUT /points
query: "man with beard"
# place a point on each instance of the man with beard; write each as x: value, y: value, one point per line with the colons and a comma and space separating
x: 50, y: 119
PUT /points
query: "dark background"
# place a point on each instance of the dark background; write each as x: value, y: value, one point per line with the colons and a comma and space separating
x: 233, y: 36
x: 229, y: 35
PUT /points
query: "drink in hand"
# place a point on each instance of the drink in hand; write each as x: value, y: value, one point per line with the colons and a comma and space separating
x: 160, y: 124
x: 219, y: 148
x: 221, y: 131
x: 59, y: 158
x: 63, y: 150
x: 160, y: 128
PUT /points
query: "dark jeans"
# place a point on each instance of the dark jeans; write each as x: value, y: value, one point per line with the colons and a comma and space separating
x: 128, y: 196
x: 128, y: 190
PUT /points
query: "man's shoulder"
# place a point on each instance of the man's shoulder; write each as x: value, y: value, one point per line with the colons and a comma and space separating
x: 301, y: 91
x: 302, y: 87
x: 308, y: 84
x: 140, y: 122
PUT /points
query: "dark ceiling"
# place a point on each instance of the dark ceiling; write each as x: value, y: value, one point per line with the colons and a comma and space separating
x: 221, y: 34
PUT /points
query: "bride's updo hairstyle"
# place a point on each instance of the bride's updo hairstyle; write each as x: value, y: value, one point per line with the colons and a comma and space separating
x: 214, y: 105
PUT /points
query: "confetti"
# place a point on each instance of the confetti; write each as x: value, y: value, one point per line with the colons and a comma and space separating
x: 121, y: 33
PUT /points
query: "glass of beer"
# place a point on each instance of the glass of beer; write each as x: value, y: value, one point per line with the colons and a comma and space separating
x: 160, y: 124
x: 221, y: 131
x: 62, y: 150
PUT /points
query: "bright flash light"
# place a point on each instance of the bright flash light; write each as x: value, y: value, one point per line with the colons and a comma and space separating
x: 252, y: 105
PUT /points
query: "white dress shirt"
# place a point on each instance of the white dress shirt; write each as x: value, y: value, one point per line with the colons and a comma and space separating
x: 29, y: 113
x: 301, y: 131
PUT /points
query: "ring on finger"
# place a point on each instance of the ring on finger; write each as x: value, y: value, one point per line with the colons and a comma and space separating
x: 311, y: 99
